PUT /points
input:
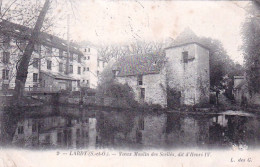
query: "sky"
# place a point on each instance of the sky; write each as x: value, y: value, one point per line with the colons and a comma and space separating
x: 111, y: 22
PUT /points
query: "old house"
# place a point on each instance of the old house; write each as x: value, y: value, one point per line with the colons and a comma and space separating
x: 179, y: 77
x: 54, y: 65
x: 146, y: 75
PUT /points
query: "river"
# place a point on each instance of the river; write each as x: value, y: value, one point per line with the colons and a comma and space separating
x: 53, y: 127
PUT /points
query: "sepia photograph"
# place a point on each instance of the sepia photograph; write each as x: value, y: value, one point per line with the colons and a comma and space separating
x: 129, y: 83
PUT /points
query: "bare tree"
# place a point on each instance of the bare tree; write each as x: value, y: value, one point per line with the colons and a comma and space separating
x: 22, y: 69
x: 38, y: 19
x: 107, y: 52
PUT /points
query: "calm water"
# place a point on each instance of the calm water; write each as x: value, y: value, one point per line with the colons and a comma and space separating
x: 64, y: 127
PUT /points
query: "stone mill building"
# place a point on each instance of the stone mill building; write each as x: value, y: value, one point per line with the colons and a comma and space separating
x: 178, y: 77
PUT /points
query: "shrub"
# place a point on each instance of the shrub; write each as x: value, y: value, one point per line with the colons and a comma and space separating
x: 122, y: 94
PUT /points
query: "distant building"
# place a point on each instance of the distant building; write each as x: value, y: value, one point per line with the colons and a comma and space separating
x: 181, y: 76
x: 240, y: 89
x: 51, y: 67
x: 94, y: 65
x: 241, y: 92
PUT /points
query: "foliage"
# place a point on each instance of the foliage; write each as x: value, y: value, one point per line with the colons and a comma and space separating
x: 221, y: 65
x: 122, y: 94
x: 111, y: 125
x: 251, y: 47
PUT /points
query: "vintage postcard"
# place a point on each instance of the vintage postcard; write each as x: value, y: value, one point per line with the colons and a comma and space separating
x: 129, y: 83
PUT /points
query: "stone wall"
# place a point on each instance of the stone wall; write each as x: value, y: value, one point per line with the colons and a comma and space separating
x: 190, y: 78
x: 154, y: 85
x: 203, y: 89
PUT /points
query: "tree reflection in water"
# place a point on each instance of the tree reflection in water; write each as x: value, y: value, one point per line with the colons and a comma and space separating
x: 67, y: 127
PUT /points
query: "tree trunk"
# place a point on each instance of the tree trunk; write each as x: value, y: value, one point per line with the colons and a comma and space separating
x: 22, y: 70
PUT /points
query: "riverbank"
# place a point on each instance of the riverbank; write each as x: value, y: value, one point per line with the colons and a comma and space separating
x: 208, y: 109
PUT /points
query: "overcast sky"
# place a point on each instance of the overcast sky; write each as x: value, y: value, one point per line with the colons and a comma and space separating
x: 103, y: 22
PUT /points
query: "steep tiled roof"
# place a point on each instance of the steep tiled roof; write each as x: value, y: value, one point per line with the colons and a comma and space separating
x: 139, y: 65
x: 186, y: 37
x: 23, y: 33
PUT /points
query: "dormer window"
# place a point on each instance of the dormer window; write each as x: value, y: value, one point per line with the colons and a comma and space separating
x: 185, y: 57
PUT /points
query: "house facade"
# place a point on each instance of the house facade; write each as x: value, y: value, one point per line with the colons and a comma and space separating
x: 54, y: 64
x: 188, y: 72
x: 146, y: 75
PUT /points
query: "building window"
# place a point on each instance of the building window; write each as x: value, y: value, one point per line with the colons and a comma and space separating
x: 185, y: 56
x: 21, y: 44
x: 79, y: 58
x: 142, y: 95
x: 78, y: 82
x: 35, y: 77
x: 48, y: 139
x: 49, y: 50
x: 60, y: 67
x: 37, y: 48
x: 5, y: 74
x: 34, y: 127
x: 139, y: 80
x: 87, y: 68
x: 87, y: 81
x: 78, y: 133
x: 79, y: 70
x: 97, y: 73
x: 88, y: 57
x: 84, y: 69
x: 49, y: 64
x: 71, y: 69
x: 6, y: 57
x: 141, y: 124
x: 6, y: 41
x: 60, y: 54
x: 36, y: 62
x: 20, y: 130
x: 71, y: 56
x: 59, y: 138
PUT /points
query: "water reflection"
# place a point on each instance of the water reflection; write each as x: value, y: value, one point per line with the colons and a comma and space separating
x: 64, y: 127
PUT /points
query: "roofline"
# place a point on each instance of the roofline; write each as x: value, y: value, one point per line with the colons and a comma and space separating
x: 66, y: 79
x: 42, y: 42
x: 139, y: 74
x: 57, y: 77
x: 187, y: 43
